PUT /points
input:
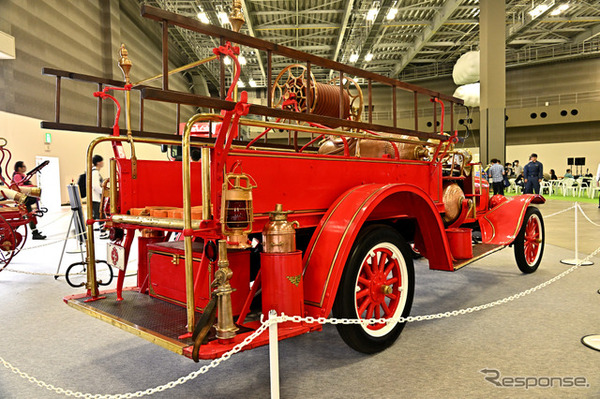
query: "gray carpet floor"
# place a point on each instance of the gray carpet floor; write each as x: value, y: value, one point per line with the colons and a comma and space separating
x: 534, y: 336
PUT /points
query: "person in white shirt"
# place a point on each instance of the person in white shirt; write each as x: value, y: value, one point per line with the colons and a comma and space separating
x: 97, y: 179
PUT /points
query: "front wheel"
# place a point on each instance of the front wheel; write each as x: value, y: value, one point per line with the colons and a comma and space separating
x: 378, y: 282
x: 529, y: 244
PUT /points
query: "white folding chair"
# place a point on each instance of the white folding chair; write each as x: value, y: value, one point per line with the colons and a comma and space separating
x: 569, y: 187
x: 594, y: 188
x: 545, y: 186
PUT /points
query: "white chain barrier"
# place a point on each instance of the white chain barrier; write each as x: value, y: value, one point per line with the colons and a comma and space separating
x: 297, y: 319
x: 182, y: 380
x: 559, y: 212
x: 586, y: 216
x: 51, y: 242
x: 64, y: 215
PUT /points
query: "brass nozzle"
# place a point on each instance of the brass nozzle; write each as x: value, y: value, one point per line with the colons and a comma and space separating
x: 223, y: 261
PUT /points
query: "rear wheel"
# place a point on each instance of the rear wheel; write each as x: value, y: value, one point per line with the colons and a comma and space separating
x: 378, y: 282
x: 8, y: 243
x: 529, y: 244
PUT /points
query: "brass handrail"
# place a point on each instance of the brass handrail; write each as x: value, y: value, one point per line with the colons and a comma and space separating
x: 187, y: 210
x: 92, y: 284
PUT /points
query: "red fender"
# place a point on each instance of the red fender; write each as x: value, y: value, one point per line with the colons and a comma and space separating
x: 502, y: 223
x: 332, y: 241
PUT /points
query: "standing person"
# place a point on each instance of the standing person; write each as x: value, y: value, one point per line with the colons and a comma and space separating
x: 598, y: 182
x: 19, y: 178
x: 496, y: 173
x: 97, y: 179
x: 518, y: 169
x: 533, y: 173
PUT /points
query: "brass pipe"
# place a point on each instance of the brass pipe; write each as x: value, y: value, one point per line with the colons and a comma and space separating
x: 180, y: 69
x: 150, y: 221
x: 332, y: 132
x: 113, y: 186
x: 226, y: 329
x: 206, y: 205
x: 92, y: 284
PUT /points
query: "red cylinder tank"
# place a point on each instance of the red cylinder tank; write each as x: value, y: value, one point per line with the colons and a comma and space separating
x: 282, y: 288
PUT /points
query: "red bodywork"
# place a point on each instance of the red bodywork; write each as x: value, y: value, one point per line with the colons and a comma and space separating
x: 332, y: 197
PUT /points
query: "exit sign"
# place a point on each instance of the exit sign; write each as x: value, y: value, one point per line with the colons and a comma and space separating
x: 48, y: 138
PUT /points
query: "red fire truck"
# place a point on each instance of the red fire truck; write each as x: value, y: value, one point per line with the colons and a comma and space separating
x: 327, y: 225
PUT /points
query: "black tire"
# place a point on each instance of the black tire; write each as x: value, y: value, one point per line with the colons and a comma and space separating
x: 377, y: 337
x: 532, y: 241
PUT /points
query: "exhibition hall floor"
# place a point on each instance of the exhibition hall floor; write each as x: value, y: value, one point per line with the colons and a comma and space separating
x: 533, y: 337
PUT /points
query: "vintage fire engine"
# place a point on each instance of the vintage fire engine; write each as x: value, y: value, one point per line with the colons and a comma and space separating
x: 16, y: 211
x: 329, y: 226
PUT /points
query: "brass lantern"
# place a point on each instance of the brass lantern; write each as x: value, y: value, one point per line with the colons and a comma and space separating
x: 236, y: 209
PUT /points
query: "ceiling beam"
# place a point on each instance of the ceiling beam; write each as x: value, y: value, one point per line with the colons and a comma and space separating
x: 441, y: 17
x: 375, y: 29
x: 295, y: 27
x: 539, y: 41
x: 343, y: 26
x: 528, y: 22
x: 250, y: 24
x: 300, y: 12
x: 587, y: 35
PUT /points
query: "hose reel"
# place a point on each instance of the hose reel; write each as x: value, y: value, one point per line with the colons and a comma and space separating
x: 290, y: 92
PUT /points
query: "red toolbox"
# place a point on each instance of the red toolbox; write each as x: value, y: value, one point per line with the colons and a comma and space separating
x: 167, y: 274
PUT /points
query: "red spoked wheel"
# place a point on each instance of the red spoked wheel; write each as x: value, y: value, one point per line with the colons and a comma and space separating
x: 378, y: 282
x: 529, y: 243
x: 8, y: 243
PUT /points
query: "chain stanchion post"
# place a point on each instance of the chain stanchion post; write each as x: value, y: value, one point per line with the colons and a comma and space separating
x: 576, y: 260
x: 592, y: 341
x: 274, y: 354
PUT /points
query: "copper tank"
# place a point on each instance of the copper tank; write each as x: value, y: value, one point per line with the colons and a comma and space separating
x: 279, y: 235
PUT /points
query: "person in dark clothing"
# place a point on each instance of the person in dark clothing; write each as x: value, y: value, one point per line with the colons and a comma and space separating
x: 553, y: 175
x: 519, y: 182
x: 533, y: 173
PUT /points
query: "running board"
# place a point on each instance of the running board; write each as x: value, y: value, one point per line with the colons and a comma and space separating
x: 163, y: 323
x: 479, y: 251
x: 154, y: 320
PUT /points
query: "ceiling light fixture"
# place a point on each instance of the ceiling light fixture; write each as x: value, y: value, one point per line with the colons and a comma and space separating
x: 369, y: 57
x: 203, y: 17
x: 252, y: 83
x: 242, y: 60
x: 372, y: 14
x: 391, y: 13
x: 226, y: 60
x: 373, y: 11
x: 540, y: 9
x: 560, y: 9
x: 240, y: 84
x: 353, y: 57
x: 223, y: 19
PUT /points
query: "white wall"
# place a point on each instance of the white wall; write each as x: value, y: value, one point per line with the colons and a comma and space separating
x: 26, y: 141
x: 554, y: 155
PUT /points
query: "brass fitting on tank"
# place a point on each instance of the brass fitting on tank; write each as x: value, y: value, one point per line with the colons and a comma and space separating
x: 421, y: 152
